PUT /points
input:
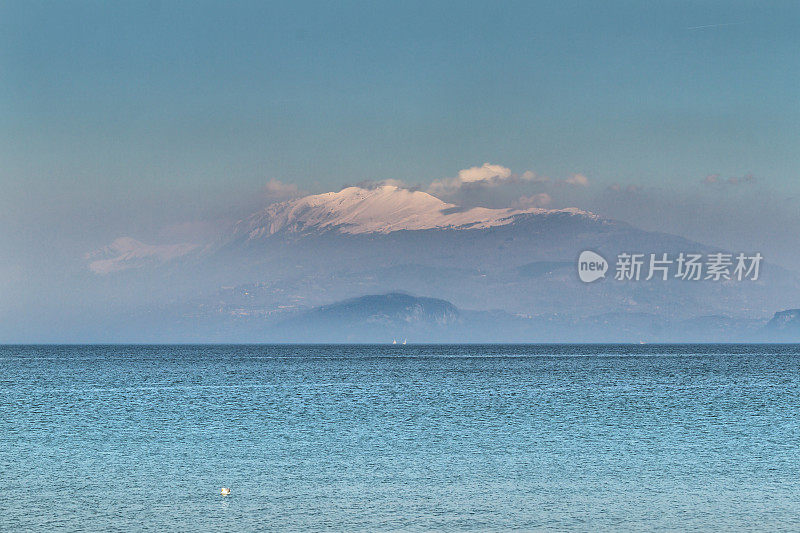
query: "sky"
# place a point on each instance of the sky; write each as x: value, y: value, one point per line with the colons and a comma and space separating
x: 159, y: 119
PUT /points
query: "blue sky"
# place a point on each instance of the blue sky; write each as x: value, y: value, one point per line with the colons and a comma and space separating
x: 142, y: 114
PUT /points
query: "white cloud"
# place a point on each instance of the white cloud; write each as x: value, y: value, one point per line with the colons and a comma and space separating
x: 577, y: 179
x: 486, y: 175
x: 530, y: 175
x: 536, y: 200
x: 277, y: 189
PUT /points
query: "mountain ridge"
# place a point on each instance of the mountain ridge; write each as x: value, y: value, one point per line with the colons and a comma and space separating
x: 384, y: 209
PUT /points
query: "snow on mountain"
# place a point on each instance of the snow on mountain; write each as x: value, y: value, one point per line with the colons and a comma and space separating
x: 353, y: 210
x: 385, y: 209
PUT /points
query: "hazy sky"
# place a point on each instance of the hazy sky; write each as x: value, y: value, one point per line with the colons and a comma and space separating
x: 141, y: 117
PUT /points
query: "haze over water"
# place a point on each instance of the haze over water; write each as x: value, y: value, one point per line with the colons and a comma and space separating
x: 366, y: 437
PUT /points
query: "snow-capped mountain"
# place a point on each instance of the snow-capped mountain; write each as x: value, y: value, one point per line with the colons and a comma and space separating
x: 313, y: 251
x: 384, y: 209
x: 352, y: 211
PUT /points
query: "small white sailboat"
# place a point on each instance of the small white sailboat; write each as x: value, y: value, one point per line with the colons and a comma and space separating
x: 405, y: 340
x: 394, y: 341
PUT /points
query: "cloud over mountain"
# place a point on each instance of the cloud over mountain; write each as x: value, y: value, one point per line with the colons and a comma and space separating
x: 276, y: 189
x: 486, y: 175
x: 577, y: 179
x: 535, y: 200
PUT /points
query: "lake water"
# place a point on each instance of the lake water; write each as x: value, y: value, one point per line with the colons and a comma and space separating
x: 568, y: 438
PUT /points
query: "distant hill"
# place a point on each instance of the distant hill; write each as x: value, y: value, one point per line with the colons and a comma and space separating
x: 373, y: 318
x: 398, y: 316
x: 388, y: 309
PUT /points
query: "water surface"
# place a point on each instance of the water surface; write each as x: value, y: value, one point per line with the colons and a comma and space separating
x: 573, y: 438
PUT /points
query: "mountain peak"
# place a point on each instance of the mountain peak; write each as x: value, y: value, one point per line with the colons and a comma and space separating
x: 384, y: 209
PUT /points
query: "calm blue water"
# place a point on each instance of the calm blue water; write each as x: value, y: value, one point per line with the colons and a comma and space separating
x: 582, y: 438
